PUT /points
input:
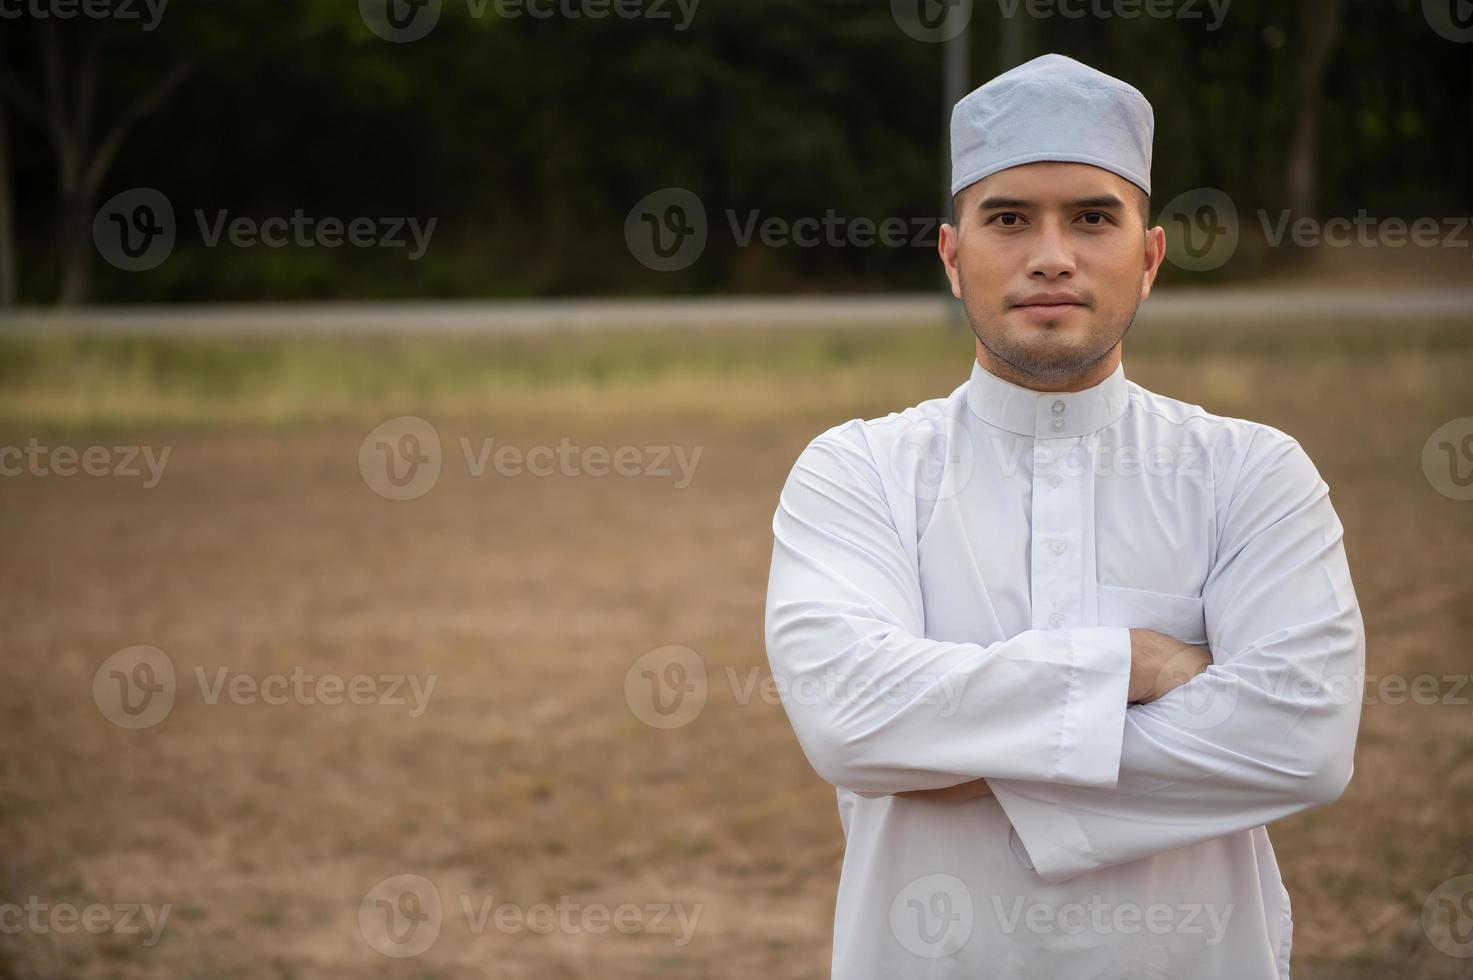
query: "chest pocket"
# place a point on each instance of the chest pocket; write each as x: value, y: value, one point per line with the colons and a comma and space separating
x: 1179, y: 616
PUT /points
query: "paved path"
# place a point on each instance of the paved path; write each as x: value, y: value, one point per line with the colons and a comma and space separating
x: 531, y: 316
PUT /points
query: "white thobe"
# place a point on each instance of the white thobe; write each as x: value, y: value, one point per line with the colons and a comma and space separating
x: 951, y: 593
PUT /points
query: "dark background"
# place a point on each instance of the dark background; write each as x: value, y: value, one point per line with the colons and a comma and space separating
x: 530, y: 139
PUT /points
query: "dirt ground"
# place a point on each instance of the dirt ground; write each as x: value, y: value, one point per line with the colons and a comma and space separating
x: 529, y: 776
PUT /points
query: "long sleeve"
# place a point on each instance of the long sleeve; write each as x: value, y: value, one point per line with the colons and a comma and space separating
x: 880, y: 709
x: 1267, y: 731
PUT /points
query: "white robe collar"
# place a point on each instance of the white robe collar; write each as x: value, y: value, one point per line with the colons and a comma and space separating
x: 1046, y: 414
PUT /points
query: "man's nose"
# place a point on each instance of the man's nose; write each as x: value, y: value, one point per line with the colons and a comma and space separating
x: 1052, y: 256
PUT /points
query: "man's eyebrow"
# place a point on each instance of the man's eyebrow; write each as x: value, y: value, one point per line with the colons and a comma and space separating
x: 1098, y: 201
x: 993, y: 203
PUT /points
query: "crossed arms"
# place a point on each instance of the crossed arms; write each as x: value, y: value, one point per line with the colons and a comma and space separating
x: 1094, y: 740
x: 1159, y: 664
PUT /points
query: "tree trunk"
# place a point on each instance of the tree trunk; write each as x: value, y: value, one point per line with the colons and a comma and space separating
x: 8, y: 260
x: 75, y: 241
x: 1321, y: 26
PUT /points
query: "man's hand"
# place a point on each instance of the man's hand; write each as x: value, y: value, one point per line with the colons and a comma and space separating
x: 959, y: 793
x: 1161, y: 663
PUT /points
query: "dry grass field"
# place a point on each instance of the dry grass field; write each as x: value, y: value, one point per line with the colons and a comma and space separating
x: 527, y: 777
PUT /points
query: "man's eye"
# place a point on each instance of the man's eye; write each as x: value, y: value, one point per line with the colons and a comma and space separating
x: 1008, y: 219
x: 1102, y: 216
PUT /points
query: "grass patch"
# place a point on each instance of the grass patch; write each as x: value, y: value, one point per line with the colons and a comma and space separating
x: 71, y: 381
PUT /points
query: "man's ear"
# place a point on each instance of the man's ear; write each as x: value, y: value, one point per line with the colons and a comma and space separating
x: 946, y: 246
x: 1155, y: 253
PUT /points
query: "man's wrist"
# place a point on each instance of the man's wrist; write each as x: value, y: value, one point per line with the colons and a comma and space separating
x: 1160, y: 664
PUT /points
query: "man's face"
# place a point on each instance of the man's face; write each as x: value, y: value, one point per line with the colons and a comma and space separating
x: 1050, y: 261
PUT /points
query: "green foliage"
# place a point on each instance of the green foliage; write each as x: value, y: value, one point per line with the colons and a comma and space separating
x: 530, y: 139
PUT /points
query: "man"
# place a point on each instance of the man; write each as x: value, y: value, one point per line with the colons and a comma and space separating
x: 1063, y: 645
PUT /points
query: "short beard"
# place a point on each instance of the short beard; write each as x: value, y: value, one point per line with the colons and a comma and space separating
x: 1049, y: 364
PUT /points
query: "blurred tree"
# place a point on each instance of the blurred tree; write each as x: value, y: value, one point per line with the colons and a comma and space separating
x: 66, y: 111
x: 1320, y: 28
x: 8, y: 260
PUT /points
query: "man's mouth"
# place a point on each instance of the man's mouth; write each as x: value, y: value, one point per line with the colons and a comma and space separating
x: 1051, y: 310
x: 1049, y: 301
